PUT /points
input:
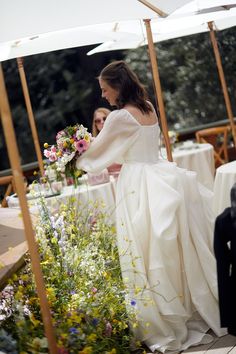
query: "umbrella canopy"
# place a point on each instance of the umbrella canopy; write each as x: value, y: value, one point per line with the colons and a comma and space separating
x: 70, y: 38
x: 203, y: 6
x: 36, y: 27
x: 174, y: 26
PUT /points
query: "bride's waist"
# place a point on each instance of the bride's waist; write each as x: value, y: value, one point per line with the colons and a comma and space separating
x: 140, y: 161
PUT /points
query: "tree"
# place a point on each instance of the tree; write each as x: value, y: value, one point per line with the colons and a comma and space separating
x: 189, y: 77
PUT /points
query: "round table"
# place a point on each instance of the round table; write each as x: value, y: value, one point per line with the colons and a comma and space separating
x: 84, y: 193
x: 224, y: 181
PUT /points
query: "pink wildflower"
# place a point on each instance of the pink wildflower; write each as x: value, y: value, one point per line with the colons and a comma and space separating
x: 94, y: 290
x: 62, y: 351
x: 108, y: 329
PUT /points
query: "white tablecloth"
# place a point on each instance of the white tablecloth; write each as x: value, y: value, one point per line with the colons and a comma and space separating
x: 198, y: 158
x: 224, y: 180
x: 104, y: 193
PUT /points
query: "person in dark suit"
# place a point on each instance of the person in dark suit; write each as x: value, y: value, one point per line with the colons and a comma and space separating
x: 225, y: 253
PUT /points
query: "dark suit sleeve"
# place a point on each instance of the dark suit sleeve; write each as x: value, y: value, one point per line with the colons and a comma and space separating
x: 222, y: 234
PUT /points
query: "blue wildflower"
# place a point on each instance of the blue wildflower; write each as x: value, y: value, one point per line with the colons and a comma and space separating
x: 95, y: 321
x: 73, y: 330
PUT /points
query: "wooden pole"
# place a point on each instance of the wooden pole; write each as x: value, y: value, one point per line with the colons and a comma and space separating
x: 158, y: 90
x: 30, y: 114
x: 13, y: 154
x: 222, y: 80
x: 153, y: 8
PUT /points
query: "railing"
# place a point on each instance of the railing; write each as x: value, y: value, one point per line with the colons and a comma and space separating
x: 27, y: 169
x: 189, y: 133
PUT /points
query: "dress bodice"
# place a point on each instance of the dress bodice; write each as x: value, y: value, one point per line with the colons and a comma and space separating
x: 146, y: 147
x: 123, y: 140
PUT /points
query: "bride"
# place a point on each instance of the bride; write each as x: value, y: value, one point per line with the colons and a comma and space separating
x: 163, y: 219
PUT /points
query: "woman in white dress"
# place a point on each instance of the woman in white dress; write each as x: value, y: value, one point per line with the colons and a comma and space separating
x: 164, y: 224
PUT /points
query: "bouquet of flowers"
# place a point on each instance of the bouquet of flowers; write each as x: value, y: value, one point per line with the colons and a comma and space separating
x: 71, y: 142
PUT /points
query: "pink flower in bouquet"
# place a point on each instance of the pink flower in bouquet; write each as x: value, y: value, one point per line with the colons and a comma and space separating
x: 51, y: 153
x: 81, y: 146
x: 60, y: 143
x: 60, y: 134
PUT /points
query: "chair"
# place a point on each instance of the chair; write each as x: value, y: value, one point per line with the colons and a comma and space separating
x: 218, y: 137
x: 7, y: 180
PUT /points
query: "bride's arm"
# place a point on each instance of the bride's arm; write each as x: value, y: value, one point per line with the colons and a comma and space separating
x: 118, y: 134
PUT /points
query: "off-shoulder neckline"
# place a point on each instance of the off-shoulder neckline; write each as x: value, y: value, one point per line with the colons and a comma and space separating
x: 141, y: 125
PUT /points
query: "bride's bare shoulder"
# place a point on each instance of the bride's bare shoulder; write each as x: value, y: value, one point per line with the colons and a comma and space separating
x: 142, y: 118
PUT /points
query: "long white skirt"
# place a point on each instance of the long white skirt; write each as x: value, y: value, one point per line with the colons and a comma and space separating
x: 165, y: 240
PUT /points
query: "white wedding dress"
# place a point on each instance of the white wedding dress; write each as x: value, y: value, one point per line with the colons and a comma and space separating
x: 165, y: 235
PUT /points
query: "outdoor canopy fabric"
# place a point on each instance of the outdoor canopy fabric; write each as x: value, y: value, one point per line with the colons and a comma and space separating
x: 30, y: 27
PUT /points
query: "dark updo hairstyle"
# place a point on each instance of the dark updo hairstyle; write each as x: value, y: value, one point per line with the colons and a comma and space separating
x: 120, y: 77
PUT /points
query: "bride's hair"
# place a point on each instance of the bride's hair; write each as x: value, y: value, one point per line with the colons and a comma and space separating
x: 120, y: 77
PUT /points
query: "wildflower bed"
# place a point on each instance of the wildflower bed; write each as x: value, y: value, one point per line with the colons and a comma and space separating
x: 90, y: 308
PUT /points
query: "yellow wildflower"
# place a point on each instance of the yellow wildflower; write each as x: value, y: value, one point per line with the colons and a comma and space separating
x: 18, y: 295
x: 113, y: 351
x: 92, y: 337
x: 34, y: 321
x: 86, y: 350
x: 135, y: 325
x: 25, y: 277
x: 46, y: 145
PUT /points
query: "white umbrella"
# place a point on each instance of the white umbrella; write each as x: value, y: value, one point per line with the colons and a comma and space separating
x: 202, y: 6
x: 164, y: 29
x: 30, y: 27
x: 48, y: 42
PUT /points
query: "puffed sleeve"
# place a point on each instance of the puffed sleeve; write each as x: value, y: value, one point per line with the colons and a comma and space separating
x: 120, y: 131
